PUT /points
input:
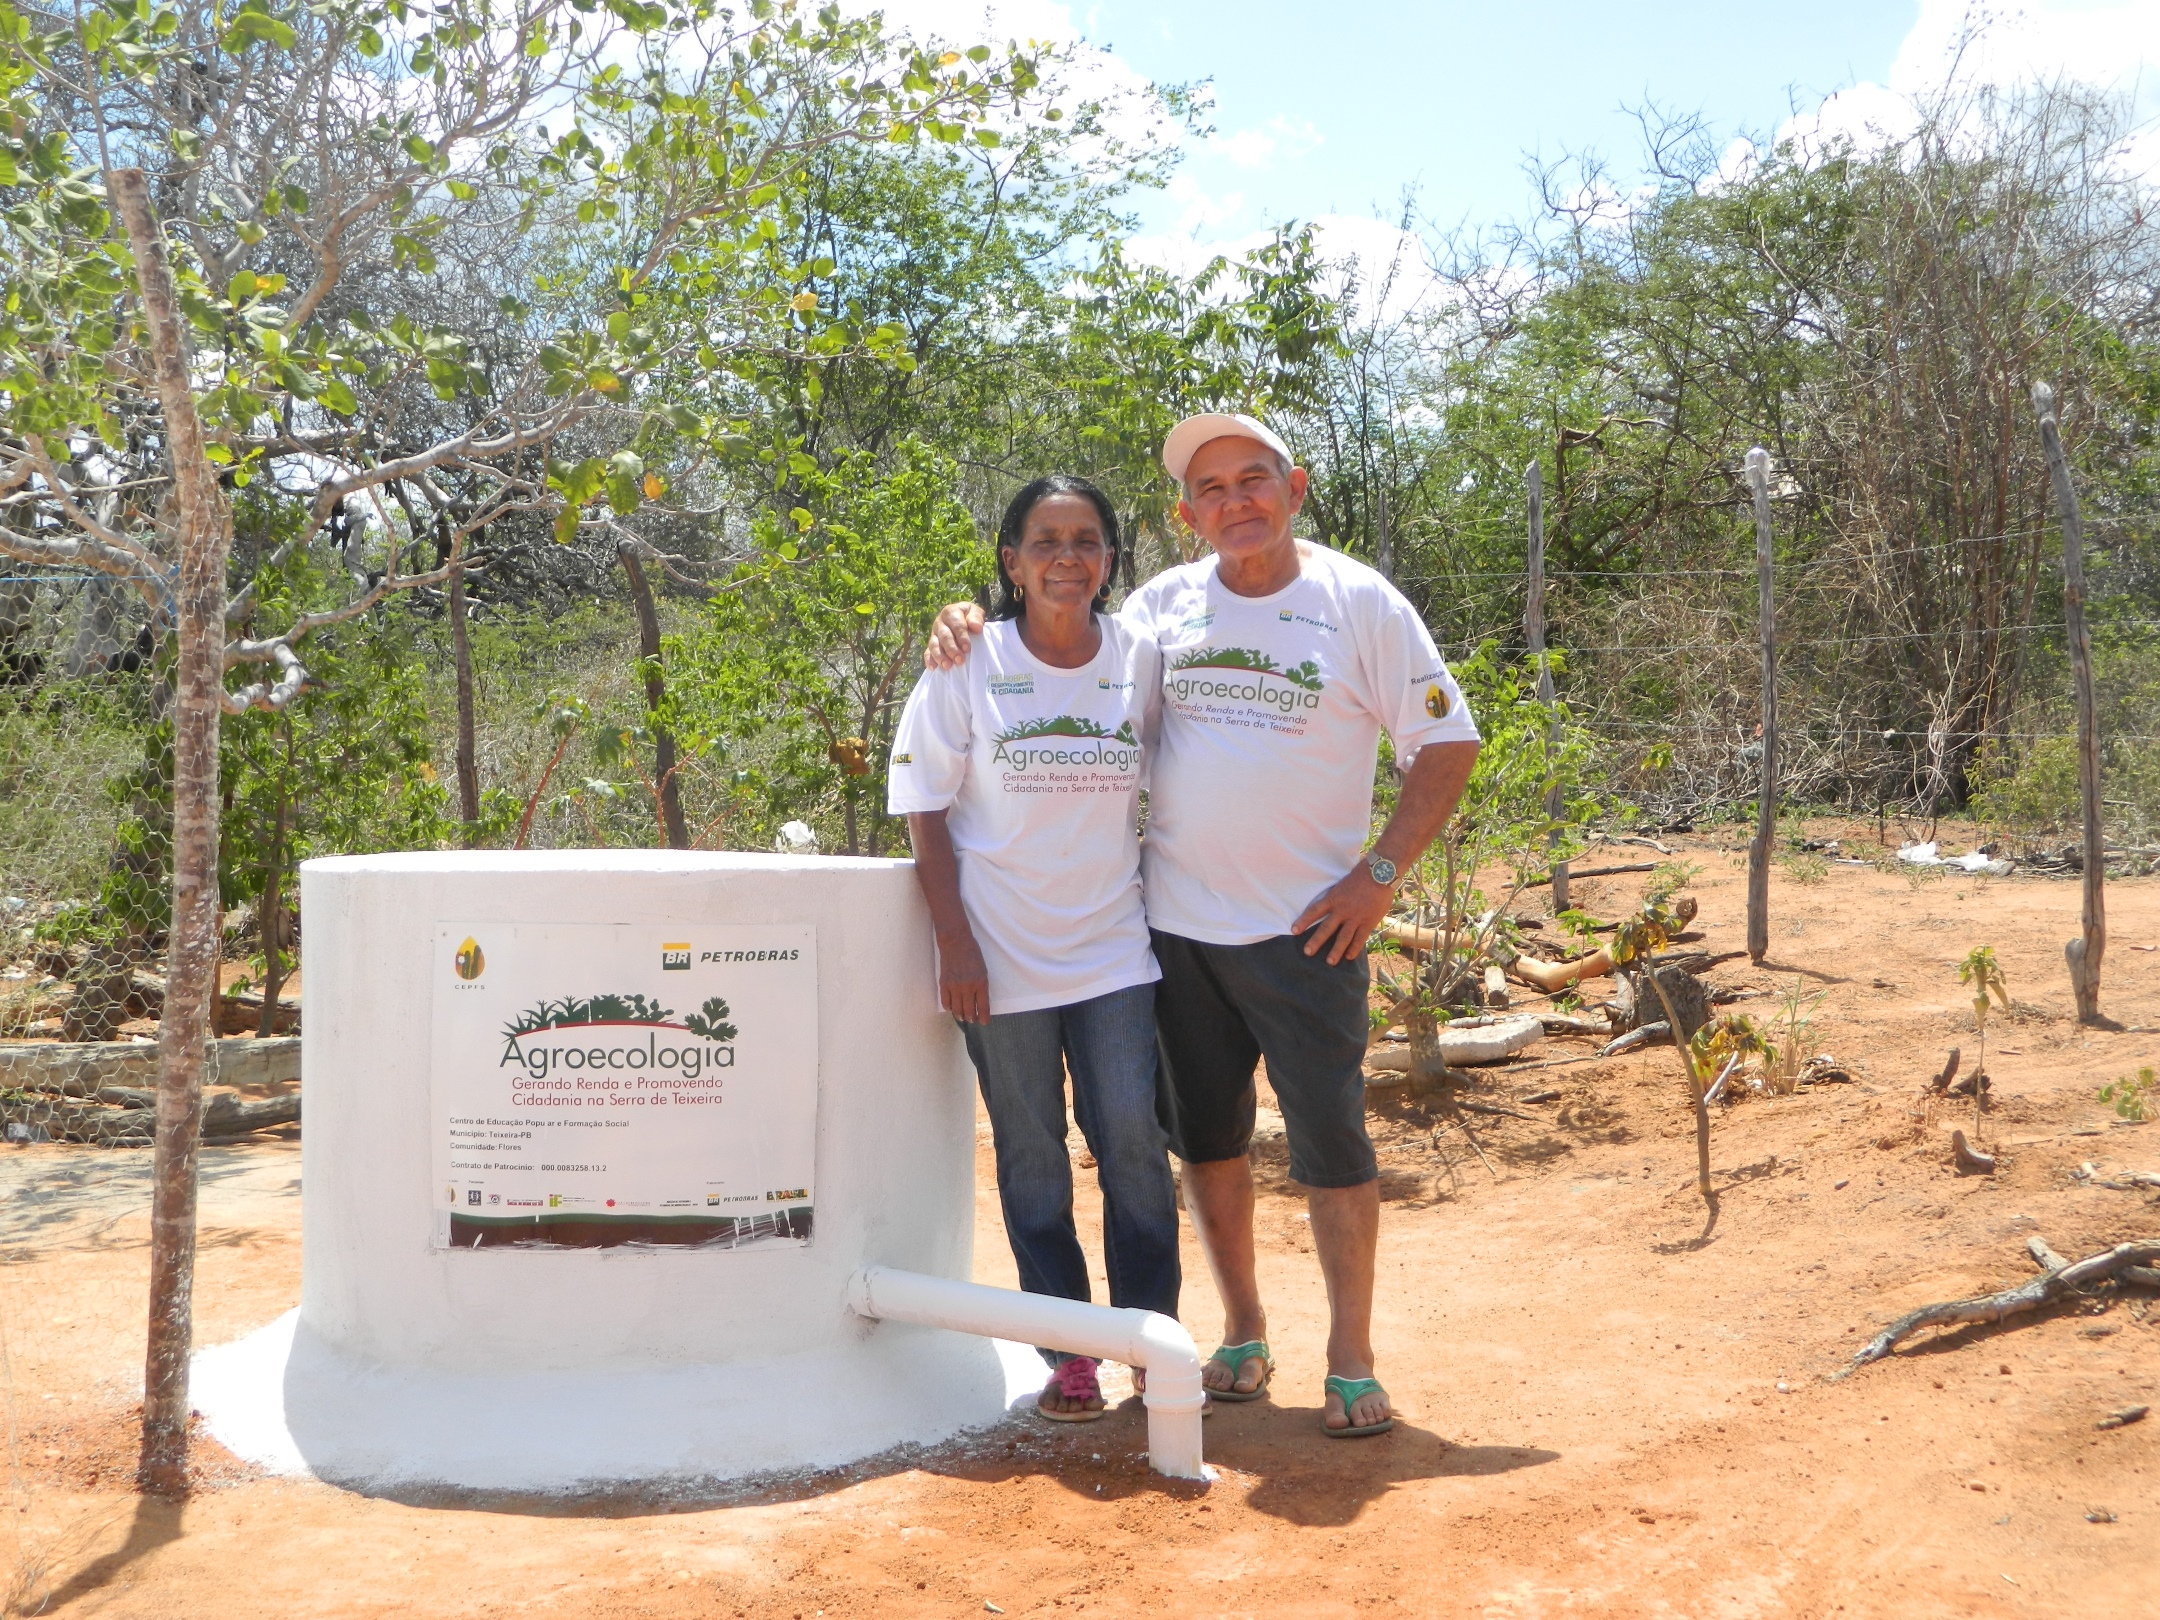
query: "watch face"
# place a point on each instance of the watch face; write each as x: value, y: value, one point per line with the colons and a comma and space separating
x: 1382, y: 869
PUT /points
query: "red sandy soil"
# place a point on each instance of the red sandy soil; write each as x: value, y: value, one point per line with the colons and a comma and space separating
x: 1605, y: 1412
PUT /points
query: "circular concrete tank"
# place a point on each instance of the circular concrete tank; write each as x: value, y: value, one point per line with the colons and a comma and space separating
x: 508, y: 1367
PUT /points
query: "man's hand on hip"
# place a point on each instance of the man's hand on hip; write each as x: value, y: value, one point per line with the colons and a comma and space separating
x: 952, y: 632
x: 1348, y: 912
x: 1344, y: 917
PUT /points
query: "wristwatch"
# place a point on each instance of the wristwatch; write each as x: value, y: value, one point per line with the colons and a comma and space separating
x: 1382, y: 869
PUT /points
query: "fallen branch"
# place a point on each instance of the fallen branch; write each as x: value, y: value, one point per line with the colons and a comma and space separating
x: 2127, y: 1181
x: 1594, y: 871
x: 1569, y: 1024
x: 1476, y: 1107
x: 1970, y: 1160
x: 1628, y: 838
x: 1552, y: 977
x: 1641, y: 1035
x: 2029, y: 1296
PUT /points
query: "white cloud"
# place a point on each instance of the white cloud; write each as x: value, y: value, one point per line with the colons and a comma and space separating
x: 1258, y: 148
x: 2009, y: 44
x: 1970, y: 45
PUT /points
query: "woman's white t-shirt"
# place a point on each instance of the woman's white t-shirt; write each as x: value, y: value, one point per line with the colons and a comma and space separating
x: 1039, y: 770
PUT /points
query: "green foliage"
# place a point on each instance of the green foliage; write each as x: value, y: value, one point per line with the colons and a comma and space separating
x: 1722, y: 1040
x: 1804, y: 866
x: 2033, y: 793
x: 61, y: 753
x: 2134, y: 1096
x: 1980, y: 970
x: 1504, y: 819
x: 1668, y: 878
x: 818, y: 639
x: 347, y: 769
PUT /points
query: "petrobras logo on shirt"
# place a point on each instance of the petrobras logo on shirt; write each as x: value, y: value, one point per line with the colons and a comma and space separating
x: 1243, y: 674
x: 1197, y: 621
x: 1067, y: 740
x: 1106, y: 684
x: 903, y: 759
x: 1012, y: 685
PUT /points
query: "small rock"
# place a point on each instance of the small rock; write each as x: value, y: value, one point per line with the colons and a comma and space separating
x: 1841, y: 1184
x: 2099, y: 1515
x: 1783, y: 1388
x: 2124, y: 1418
x: 1976, y: 1485
x: 991, y: 1608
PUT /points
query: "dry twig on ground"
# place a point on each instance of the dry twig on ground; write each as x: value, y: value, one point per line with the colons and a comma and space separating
x: 2051, y: 1286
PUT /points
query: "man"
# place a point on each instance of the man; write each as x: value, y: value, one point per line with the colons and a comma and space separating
x: 1282, y: 663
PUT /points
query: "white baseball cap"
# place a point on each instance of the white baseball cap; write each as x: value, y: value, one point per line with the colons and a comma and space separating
x: 1189, y: 435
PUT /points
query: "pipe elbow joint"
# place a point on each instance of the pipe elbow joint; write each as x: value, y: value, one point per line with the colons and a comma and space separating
x: 1163, y: 1346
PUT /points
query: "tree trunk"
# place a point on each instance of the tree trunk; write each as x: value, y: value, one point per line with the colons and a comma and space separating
x: 648, y: 625
x: 270, y: 915
x: 203, y: 532
x: 468, y: 770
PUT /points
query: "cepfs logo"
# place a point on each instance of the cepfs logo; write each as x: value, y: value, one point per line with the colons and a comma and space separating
x: 675, y: 958
x: 471, y: 962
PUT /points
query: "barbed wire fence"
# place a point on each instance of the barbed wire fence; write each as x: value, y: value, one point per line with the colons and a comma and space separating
x: 1661, y: 675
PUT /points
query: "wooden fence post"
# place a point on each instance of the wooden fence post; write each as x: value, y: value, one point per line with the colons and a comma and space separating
x: 2083, y: 953
x: 1534, y: 633
x: 1766, y: 806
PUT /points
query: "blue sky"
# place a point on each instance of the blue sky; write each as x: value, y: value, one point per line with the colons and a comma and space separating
x: 1326, y: 111
x: 1335, y: 108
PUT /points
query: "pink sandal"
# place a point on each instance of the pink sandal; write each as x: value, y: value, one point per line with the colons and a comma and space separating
x: 1075, y: 1380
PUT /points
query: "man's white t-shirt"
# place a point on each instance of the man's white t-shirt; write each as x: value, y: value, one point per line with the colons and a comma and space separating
x: 1260, y: 795
x: 1040, y: 771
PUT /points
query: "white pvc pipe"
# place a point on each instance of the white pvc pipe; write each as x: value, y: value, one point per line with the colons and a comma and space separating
x: 1144, y: 1339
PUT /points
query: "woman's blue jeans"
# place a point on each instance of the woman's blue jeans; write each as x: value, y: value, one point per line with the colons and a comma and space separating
x: 1108, y: 1046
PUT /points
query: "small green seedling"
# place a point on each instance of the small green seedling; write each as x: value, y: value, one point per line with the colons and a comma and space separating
x: 2134, y: 1096
x: 1731, y: 1040
x: 1985, y: 975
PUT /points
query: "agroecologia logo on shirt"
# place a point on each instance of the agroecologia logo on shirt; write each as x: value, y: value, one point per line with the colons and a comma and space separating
x: 552, y: 1041
x: 1065, y: 739
x: 1244, y: 674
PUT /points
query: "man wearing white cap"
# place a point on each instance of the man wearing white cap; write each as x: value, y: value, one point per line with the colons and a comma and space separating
x: 1282, y: 663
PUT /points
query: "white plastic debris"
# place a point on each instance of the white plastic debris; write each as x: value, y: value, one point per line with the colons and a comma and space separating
x: 1487, y: 1041
x: 1929, y: 854
x: 796, y: 838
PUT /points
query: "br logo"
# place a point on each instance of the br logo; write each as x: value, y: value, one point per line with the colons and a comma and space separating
x: 471, y: 963
x: 675, y: 958
x: 1436, y: 701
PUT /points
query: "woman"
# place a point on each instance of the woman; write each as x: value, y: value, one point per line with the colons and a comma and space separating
x: 1019, y: 773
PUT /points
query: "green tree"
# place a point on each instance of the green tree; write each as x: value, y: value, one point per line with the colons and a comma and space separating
x: 805, y: 658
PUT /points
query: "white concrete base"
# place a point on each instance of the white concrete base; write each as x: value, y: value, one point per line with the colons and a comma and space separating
x: 287, y: 1401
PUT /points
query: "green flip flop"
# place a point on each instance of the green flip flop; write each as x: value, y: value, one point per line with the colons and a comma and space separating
x: 1353, y: 1390
x: 1235, y: 1356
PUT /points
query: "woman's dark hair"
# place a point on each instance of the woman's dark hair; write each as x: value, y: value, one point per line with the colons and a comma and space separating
x: 1005, y: 601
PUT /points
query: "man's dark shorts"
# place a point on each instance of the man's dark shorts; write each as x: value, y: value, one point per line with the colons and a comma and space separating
x: 1220, y: 1008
